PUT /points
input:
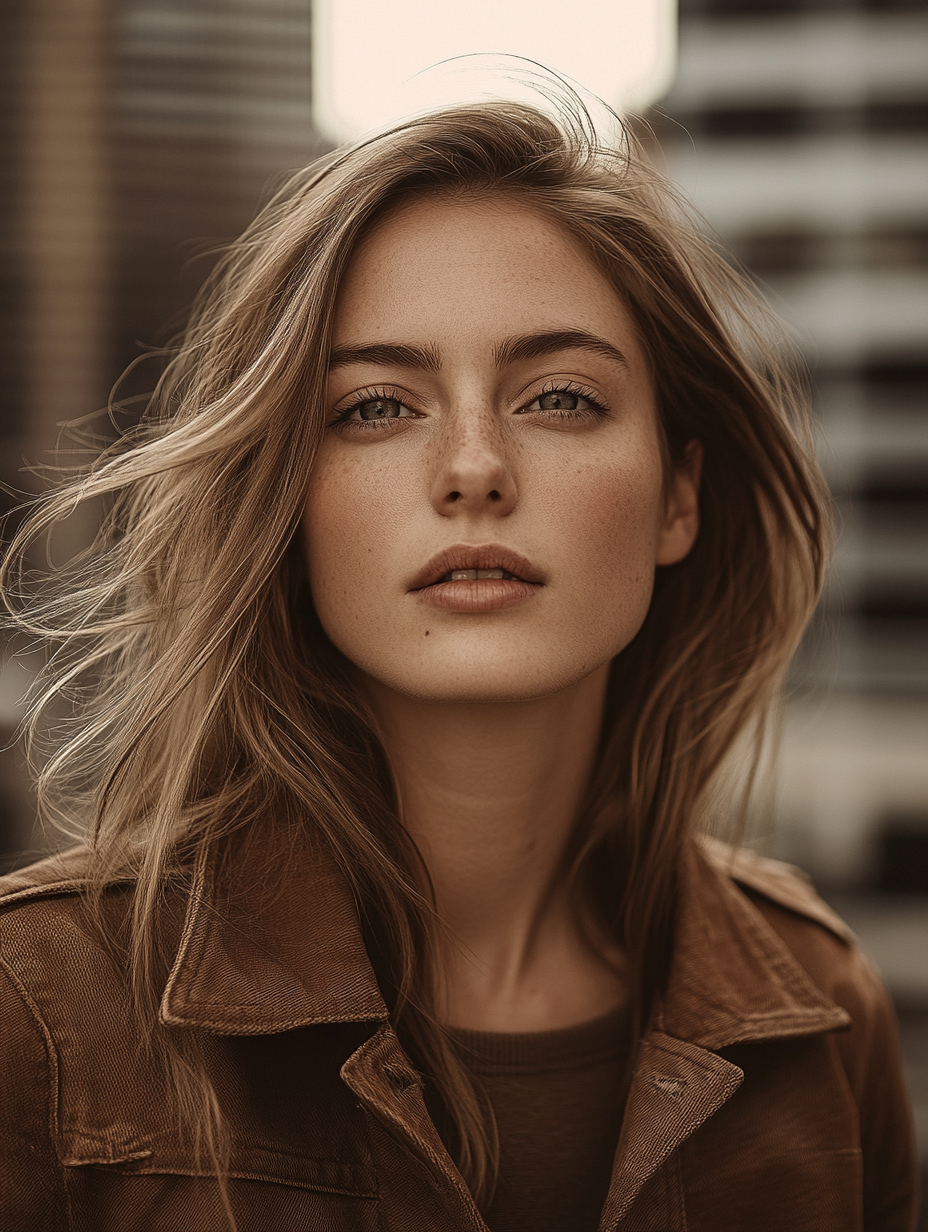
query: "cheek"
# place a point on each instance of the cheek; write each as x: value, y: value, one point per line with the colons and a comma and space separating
x: 608, y: 520
x: 333, y: 527
x: 350, y: 518
x: 611, y: 510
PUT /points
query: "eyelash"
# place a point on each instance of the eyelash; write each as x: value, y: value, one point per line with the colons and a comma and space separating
x: 344, y: 419
x: 579, y: 391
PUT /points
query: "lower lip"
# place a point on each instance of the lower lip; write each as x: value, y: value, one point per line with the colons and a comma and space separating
x: 485, y: 595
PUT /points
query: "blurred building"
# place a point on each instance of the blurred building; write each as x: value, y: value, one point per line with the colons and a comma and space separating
x: 136, y: 136
x: 799, y: 128
x: 210, y: 110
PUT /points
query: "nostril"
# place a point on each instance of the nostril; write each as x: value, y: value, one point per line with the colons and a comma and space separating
x: 495, y: 496
x: 453, y: 496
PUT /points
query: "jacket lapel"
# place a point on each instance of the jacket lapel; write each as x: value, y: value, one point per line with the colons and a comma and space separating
x: 383, y: 1079
x: 676, y: 1087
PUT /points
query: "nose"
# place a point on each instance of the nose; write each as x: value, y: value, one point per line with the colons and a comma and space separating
x: 474, y: 473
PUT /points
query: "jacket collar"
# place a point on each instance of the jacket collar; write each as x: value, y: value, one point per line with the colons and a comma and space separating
x: 264, y: 959
x: 732, y: 979
x: 256, y: 962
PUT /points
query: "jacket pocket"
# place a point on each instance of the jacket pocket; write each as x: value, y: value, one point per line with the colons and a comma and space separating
x: 149, y: 1190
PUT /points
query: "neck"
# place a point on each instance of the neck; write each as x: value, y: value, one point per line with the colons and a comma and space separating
x: 490, y: 793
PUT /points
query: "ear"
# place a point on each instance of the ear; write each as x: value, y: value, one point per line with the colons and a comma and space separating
x: 681, y: 508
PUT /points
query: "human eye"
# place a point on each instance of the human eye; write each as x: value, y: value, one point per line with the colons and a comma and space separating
x: 566, y: 401
x: 374, y: 409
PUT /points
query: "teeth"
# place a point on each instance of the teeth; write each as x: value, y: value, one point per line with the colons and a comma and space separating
x: 471, y: 575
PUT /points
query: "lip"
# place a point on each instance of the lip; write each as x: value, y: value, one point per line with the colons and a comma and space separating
x: 485, y: 595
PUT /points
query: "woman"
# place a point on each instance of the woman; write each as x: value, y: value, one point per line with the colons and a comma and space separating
x: 470, y: 529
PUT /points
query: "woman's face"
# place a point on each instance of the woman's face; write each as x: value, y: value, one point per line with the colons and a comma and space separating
x: 489, y: 504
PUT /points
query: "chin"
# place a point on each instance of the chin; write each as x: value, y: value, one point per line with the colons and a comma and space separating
x: 486, y: 679
x: 474, y: 693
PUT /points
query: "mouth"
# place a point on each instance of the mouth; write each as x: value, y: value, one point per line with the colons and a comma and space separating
x: 477, y: 563
x: 478, y: 575
x: 471, y: 578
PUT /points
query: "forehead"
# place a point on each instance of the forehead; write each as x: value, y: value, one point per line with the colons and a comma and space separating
x: 464, y: 266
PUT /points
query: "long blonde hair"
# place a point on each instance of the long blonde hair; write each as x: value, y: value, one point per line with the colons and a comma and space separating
x: 203, y: 695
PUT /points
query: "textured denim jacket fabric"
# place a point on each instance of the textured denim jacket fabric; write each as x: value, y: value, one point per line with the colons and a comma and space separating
x: 767, y: 1094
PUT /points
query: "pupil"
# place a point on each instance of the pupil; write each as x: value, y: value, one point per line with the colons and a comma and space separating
x: 559, y: 401
x: 380, y: 408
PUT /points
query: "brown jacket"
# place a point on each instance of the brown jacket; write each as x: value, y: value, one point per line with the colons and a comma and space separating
x: 767, y: 1095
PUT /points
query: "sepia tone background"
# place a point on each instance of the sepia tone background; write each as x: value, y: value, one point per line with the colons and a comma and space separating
x: 136, y: 135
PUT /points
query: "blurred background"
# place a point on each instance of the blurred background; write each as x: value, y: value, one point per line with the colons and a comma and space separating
x: 136, y: 135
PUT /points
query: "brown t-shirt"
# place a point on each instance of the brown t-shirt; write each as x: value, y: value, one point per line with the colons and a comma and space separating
x: 558, y: 1097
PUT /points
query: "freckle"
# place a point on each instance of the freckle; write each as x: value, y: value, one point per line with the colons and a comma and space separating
x: 426, y: 633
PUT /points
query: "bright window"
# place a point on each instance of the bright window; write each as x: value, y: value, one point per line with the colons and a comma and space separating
x: 378, y: 60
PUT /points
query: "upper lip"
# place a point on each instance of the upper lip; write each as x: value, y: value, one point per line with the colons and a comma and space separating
x: 475, y: 556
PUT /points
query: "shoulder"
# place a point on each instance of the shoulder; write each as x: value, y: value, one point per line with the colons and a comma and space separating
x: 66, y: 873
x: 64, y: 947
x: 42, y: 911
x: 64, y: 975
x: 66, y: 1003
x: 783, y: 885
x: 46, y: 922
x: 50, y: 942
x: 55, y: 918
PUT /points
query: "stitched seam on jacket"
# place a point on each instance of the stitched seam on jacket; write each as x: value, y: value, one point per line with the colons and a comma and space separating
x: 53, y: 1071
x: 653, y: 1042
x: 50, y: 1050
x: 235, y: 1173
x: 53, y: 889
x: 677, y: 1200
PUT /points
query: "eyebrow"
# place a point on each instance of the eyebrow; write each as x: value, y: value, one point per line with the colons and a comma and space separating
x: 387, y: 355
x: 547, y: 342
x: 513, y: 350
